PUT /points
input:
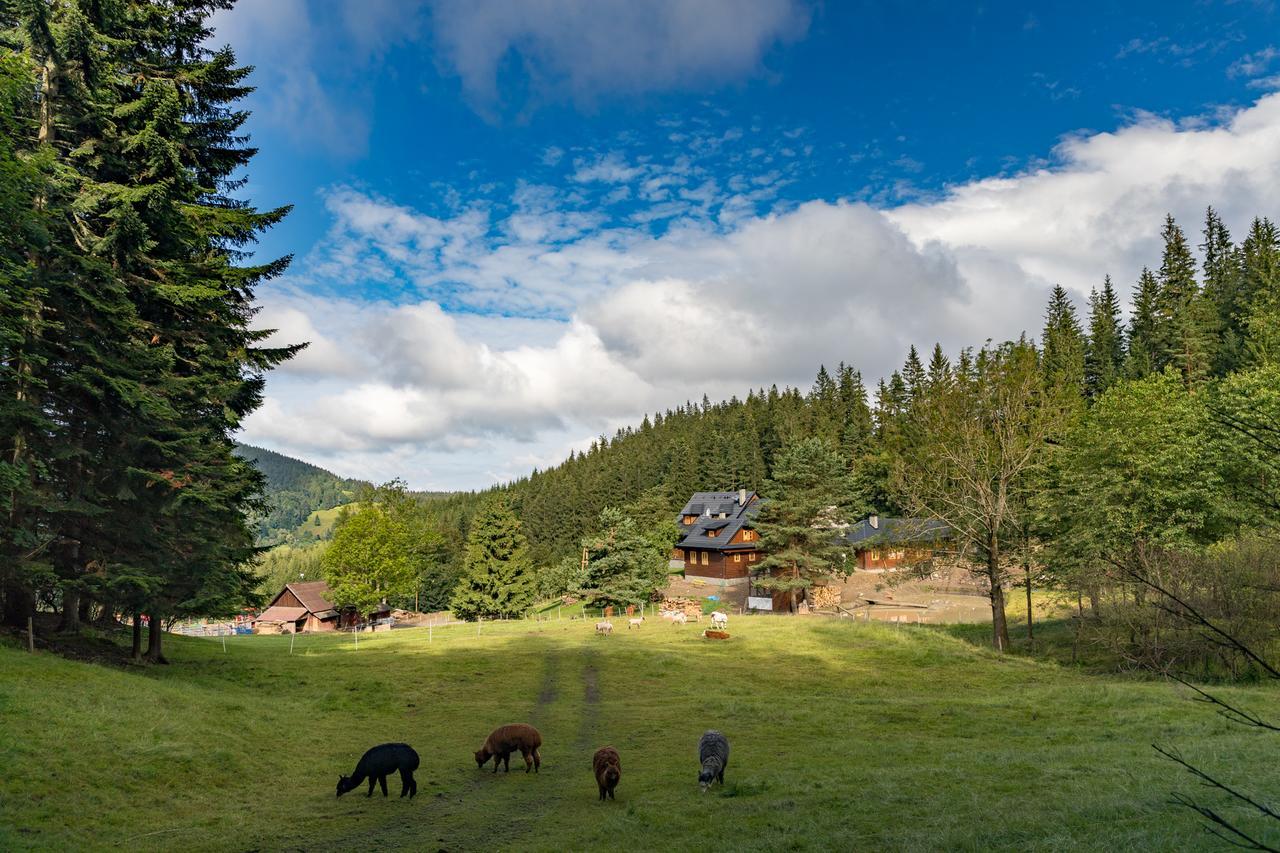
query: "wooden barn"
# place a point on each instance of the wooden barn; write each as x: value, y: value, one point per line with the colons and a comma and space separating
x: 299, y: 607
x: 717, y: 542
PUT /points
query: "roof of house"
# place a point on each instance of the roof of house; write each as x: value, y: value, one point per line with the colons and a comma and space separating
x: 882, y: 530
x: 708, y: 507
x: 279, y: 613
x: 312, y: 595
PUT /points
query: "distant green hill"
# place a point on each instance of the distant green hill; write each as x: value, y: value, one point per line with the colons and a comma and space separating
x: 302, y: 498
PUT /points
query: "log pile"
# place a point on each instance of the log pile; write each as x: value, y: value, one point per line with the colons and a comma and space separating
x: 690, y: 607
x: 712, y: 634
x: 825, y: 597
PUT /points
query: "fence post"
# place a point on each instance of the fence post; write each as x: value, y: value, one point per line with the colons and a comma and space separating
x: 291, y: 636
x: 224, y: 643
x: 430, y: 630
x: 31, y: 636
x: 479, y: 621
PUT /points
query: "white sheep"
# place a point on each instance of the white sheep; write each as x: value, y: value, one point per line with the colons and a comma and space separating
x: 719, y: 619
x: 604, y: 627
x: 635, y: 622
x: 679, y: 618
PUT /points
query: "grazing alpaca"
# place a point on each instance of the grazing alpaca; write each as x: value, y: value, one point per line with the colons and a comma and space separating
x: 713, y: 752
x: 635, y: 623
x: 604, y: 627
x: 719, y: 619
x: 608, y: 769
x: 505, y: 740
x: 379, y: 763
x: 679, y: 618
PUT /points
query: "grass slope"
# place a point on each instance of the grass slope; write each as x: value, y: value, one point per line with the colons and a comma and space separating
x: 843, y: 736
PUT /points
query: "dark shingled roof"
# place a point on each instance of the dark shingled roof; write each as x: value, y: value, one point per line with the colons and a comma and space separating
x: 709, y: 506
x: 893, y: 531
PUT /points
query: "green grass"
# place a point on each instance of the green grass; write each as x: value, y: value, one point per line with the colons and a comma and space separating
x: 844, y: 736
x: 323, y: 530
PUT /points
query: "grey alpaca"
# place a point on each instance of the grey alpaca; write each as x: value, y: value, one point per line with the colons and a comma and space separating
x: 713, y: 753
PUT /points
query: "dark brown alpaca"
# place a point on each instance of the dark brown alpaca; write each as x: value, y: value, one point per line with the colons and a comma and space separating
x: 608, y: 770
x: 505, y: 740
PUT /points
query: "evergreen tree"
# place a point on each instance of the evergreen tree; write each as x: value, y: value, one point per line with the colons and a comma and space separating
x: 1260, y: 285
x: 497, y: 577
x: 939, y: 368
x: 809, y: 496
x: 1184, y: 318
x: 624, y: 565
x: 1104, y: 347
x: 1063, y: 343
x: 1222, y: 289
x: 913, y: 375
x: 1143, y: 349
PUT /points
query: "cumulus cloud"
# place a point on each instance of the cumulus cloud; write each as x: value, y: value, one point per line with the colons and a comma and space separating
x: 587, y: 47
x: 509, y: 344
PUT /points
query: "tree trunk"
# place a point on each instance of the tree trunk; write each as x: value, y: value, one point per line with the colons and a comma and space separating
x: 999, y: 627
x: 18, y: 604
x: 137, y: 637
x: 1027, y: 568
x: 70, y: 623
x: 154, y: 636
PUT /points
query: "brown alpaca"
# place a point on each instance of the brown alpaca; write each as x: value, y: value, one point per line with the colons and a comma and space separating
x: 608, y: 770
x: 505, y: 740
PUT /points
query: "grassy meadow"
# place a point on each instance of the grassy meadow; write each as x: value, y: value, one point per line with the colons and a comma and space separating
x: 843, y: 736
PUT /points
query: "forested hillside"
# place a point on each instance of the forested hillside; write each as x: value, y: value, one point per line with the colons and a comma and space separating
x: 294, y: 491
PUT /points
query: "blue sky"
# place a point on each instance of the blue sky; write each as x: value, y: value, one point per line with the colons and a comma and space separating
x: 521, y: 223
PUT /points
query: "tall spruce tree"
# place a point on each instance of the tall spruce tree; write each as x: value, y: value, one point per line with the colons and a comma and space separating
x: 498, y: 578
x: 135, y: 494
x: 1260, y: 286
x: 1063, y: 343
x: 1185, y: 320
x: 1143, y: 349
x: 1222, y: 290
x: 1104, y: 347
x: 809, y: 495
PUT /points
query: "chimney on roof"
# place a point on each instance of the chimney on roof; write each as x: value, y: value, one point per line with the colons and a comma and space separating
x: 874, y: 521
x: 742, y: 497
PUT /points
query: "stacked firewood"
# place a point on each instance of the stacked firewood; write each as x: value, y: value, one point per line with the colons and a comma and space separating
x: 690, y: 607
x: 825, y: 597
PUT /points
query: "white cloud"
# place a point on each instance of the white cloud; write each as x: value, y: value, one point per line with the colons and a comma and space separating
x: 582, y: 328
x: 588, y: 47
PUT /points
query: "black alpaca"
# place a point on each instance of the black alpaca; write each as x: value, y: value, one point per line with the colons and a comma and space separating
x: 379, y: 763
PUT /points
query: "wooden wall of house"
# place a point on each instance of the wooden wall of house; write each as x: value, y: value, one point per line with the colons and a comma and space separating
x: 891, y: 557
x: 316, y: 624
x: 288, y: 599
x: 719, y: 565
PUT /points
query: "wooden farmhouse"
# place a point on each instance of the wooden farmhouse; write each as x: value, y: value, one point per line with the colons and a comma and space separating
x: 879, y: 543
x: 875, y: 544
x: 717, y: 542
x: 307, y: 607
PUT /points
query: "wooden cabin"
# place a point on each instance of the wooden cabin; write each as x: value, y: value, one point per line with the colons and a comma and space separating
x: 717, y: 542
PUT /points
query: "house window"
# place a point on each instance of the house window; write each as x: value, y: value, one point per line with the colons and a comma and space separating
x: 712, y: 534
x: 705, y: 558
x: 751, y: 558
x: 690, y: 519
x: 737, y: 558
x: 748, y: 535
